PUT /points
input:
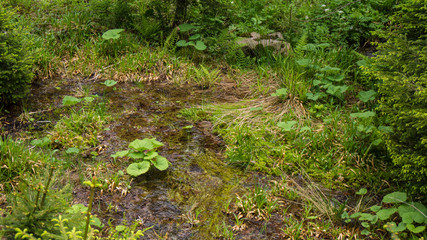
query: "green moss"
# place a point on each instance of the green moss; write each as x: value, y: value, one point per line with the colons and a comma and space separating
x: 208, y: 190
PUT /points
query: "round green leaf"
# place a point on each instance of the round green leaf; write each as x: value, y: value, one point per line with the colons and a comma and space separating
x: 182, y: 43
x: 200, y: 46
x: 377, y: 142
x: 384, y: 214
x: 304, y: 62
x: 145, y: 144
x: 155, y: 143
x: 395, y: 197
x: 151, y: 155
x: 141, y: 145
x: 185, y: 27
x: 136, y: 169
x: 361, y: 63
x: 375, y: 208
x: 70, y: 100
x: 161, y: 163
x: 392, y: 227
x: 336, y: 78
x: 422, y: 210
x: 286, y: 126
x: 345, y: 215
x: 416, y: 216
x: 72, y: 150
x: 282, y: 93
x: 414, y: 229
x: 400, y: 228
x: 385, y: 129
x: 366, y: 96
x: 88, y: 99
x: 120, y: 154
x: 94, y: 221
x: 41, y: 142
x: 365, y: 224
x: 315, y: 96
x: 136, y: 155
x: 362, y: 191
x: 121, y: 228
x: 109, y: 83
x: 77, y: 208
x: 366, y: 217
x: 112, y: 34
x: 336, y: 90
x: 194, y: 37
x: 407, y: 217
x: 305, y: 129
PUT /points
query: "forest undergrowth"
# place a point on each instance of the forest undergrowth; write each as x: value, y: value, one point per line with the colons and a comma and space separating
x: 149, y: 119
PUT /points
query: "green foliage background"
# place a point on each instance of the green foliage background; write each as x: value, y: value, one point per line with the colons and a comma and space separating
x: 15, y: 61
x: 400, y: 65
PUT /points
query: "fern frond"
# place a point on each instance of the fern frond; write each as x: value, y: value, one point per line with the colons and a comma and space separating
x: 169, y: 44
x: 299, y: 48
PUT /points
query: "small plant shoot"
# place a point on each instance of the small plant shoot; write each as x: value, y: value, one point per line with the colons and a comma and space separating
x: 193, y: 40
x: 109, y: 83
x: 287, y: 126
x: 366, y: 96
x: 144, y: 150
x: 70, y: 100
x: 281, y: 93
x: 112, y: 34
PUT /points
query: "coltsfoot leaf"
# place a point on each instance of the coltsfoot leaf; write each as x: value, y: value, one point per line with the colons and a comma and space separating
x: 136, y: 169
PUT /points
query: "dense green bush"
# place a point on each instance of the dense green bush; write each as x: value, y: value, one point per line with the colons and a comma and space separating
x: 400, y: 65
x: 15, y: 61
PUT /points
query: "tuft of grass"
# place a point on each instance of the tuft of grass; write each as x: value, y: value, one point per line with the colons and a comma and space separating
x: 204, y: 77
x: 17, y: 159
x: 258, y: 204
x: 81, y: 127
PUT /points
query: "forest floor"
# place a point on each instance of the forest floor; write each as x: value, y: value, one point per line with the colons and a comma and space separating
x: 199, y: 195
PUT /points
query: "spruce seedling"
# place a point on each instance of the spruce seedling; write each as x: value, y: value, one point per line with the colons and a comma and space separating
x: 92, y: 184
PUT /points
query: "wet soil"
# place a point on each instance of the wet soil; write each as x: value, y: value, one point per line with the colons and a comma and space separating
x: 189, y: 200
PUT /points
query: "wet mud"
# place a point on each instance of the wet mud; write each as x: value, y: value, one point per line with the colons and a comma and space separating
x: 187, y: 201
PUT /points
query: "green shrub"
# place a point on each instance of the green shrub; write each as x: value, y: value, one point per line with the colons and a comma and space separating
x: 400, y: 65
x: 15, y: 62
x: 36, y: 202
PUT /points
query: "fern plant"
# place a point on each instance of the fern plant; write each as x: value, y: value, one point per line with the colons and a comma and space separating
x: 299, y: 47
x: 204, y: 77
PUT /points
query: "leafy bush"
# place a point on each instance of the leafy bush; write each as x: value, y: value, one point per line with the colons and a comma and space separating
x: 400, y: 66
x: 412, y: 216
x: 15, y: 61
